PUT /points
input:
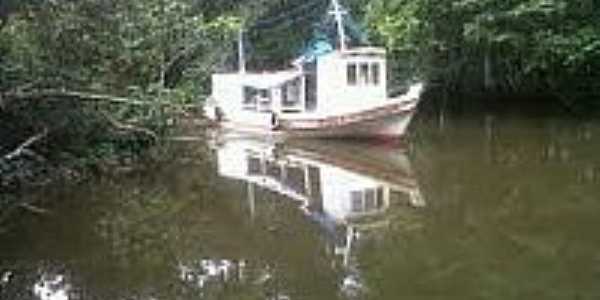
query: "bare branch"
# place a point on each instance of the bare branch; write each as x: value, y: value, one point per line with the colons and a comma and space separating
x: 34, y: 209
x: 49, y: 94
x: 82, y: 96
x: 130, y: 127
x: 23, y: 148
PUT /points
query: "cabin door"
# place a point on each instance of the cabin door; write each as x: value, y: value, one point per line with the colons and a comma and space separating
x: 310, y: 70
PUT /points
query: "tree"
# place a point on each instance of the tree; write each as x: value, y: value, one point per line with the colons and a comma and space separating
x: 516, y: 46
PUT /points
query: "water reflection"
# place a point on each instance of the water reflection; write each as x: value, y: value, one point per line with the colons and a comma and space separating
x: 53, y: 287
x: 481, y: 209
x: 253, y: 219
x: 345, y: 194
x: 206, y: 271
x: 5, y: 279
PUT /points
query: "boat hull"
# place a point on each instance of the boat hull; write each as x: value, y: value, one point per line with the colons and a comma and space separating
x: 385, y: 120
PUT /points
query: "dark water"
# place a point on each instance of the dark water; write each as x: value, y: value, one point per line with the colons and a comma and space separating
x: 477, y: 208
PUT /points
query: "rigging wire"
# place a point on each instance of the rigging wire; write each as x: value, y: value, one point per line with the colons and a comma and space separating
x: 302, y: 13
x: 289, y: 22
x: 272, y: 21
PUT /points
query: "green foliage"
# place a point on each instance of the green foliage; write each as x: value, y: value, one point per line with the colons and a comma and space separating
x: 110, y: 46
x: 514, y: 46
x: 144, y: 51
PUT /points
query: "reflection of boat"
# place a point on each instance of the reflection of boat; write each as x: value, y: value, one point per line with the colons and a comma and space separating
x: 52, y: 287
x: 328, y: 92
x: 347, y: 193
x: 340, y: 185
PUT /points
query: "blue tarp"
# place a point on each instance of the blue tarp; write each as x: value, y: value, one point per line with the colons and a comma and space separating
x: 325, y: 38
x: 315, y: 48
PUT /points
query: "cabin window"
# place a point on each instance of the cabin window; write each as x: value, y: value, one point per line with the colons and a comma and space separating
x: 370, y: 203
x: 264, y: 93
x: 375, y: 73
x: 356, y: 201
x: 290, y: 93
x: 366, y: 200
x: 256, y: 99
x: 284, y: 95
x: 264, y: 100
x: 380, y: 196
x: 351, y: 74
x: 254, y: 166
x: 273, y: 170
x: 294, y: 179
x: 364, y: 74
x: 249, y: 102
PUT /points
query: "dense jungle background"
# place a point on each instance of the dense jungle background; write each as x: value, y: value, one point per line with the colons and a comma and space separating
x: 86, y: 82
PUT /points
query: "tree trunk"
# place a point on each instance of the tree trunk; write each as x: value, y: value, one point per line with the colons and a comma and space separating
x: 175, y: 68
x: 487, y: 65
x: 5, y: 10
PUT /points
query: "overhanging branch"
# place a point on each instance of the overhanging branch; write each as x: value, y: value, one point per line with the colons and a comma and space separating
x: 51, y: 95
x: 130, y: 127
x: 60, y: 94
x: 24, y: 147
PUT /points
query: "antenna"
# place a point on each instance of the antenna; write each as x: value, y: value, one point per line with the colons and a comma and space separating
x: 338, y: 14
x: 241, y: 54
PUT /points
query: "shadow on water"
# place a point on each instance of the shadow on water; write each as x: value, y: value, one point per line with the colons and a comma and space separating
x: 491, y: 207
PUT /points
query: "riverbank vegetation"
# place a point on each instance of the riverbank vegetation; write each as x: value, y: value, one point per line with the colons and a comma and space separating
x: 85, y: 81
x: 545, y: 48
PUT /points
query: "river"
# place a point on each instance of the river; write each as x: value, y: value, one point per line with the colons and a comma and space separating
x: 484, y: 207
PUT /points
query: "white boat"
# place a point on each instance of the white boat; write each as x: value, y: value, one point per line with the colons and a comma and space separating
x: 339, y: 93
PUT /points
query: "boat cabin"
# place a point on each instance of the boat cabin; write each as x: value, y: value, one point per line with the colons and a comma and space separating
x: 334, y: 83
x: 253, y: 97
x: 350, y: 80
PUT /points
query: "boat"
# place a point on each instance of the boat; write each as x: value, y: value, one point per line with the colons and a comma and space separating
x: 350, y: 191
x: 337, y: 91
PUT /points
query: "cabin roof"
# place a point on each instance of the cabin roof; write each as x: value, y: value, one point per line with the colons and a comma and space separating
x: 261, y: 80
x: 269, y: 80
x: 365, y: 51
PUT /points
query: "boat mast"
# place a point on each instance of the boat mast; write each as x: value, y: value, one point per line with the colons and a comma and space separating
x: 339, y: 19
x: 241, y: 54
